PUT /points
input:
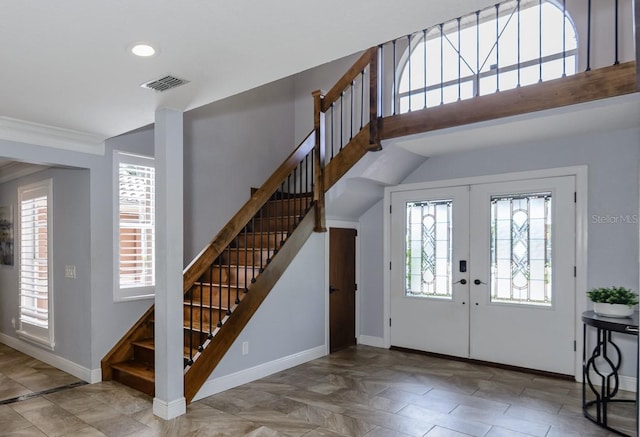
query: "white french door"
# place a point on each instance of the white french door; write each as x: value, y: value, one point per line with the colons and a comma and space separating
x: 486, y: 271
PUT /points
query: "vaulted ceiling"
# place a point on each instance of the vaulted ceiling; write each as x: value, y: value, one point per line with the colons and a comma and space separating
x: 67, y: 63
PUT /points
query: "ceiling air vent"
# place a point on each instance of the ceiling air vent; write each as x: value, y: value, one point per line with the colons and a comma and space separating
x: 164, y: 83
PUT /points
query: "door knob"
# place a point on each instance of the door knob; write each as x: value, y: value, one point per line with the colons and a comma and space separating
x: 478, y: 282
x: 461, y: 281
x: 332, y: 289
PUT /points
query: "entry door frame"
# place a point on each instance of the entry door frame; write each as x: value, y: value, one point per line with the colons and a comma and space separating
x: 580, y: 173
x: 347, y: 225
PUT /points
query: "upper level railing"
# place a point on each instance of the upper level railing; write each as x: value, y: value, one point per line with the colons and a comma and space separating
x: 506, y: 46
x: 511, y: 44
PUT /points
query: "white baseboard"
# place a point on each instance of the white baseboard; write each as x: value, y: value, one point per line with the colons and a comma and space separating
x: 368, y: 340
x: 51, y: 359
x: 169, y: 410
x: 227, y: 382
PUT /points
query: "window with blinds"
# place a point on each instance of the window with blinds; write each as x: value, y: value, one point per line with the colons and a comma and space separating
x: 36, y: 298
x: 135, y: 226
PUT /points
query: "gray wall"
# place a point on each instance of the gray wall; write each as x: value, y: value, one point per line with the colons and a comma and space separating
x: 70, y: 242
x: 612, y: 159
x: 101, y: 323
x: 371, y: 279
x: 291, y: 319
x: 229, y: 147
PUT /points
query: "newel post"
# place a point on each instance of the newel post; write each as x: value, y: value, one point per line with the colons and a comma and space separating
x: 374, y: 100
x: 318, y: 161
x: 636, y: 35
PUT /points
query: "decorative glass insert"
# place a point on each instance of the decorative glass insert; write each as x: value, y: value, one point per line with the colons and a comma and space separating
x: 521, y: 249
x: 429, y: 232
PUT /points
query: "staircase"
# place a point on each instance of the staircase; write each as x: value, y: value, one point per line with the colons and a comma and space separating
x: 227, y: 282
x: 214, y: 297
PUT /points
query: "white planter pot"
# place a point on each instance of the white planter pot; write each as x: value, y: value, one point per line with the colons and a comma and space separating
x: 612, y: 309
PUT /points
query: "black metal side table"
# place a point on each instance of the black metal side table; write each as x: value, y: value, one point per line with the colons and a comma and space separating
x: 607, y: 382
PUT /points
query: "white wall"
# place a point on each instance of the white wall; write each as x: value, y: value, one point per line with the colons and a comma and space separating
x: 612, y: 159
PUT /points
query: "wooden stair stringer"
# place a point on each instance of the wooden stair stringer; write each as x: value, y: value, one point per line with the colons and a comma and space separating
x: 199, y: 372
x: 352, y: 152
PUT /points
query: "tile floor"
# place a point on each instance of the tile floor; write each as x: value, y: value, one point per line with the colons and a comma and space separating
x: 361, y: 391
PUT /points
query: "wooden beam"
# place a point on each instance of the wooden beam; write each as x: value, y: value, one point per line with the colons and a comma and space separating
x: 202, y: 367
x: 374, y: 99
x: 579, y: 88
x: 636, y: 34
x: 319, y: 127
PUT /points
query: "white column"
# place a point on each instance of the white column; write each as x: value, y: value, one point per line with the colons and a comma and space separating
x: 169, y: 401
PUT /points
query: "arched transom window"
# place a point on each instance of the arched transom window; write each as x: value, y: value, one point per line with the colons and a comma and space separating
x: 515, y: 43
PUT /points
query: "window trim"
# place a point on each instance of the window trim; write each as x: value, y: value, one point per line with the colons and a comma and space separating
x: 124, y: 294
x: 29, y: 332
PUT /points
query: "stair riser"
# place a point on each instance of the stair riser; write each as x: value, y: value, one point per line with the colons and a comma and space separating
x: 204, y: 316
x: 286, y: 207
x: 247, y: 257
x: 231, y: 275
x: 144, y: 355
x: 197, y: 337
x: 133, y: 381
x: 213, y: 298
x: 215, y: 275
x: 271, y: 240
x: 278, y: 224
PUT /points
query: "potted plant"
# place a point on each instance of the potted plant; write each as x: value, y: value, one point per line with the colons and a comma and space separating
x: 613, y: 301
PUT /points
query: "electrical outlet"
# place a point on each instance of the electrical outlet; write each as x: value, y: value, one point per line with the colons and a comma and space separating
x: 70, y: 272
x: 245, y: 347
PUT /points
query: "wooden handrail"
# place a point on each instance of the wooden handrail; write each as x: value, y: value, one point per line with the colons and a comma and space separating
x: 348, y: 77
x: 225, y: 237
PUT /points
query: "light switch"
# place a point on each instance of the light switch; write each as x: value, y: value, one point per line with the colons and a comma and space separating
x: 70, y: 272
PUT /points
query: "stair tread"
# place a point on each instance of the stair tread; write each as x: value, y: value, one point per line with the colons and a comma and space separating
x: 137, y: 369
x: 149, y: 343
x: 204, y: 306
x: 216, y: 284
x: 146, y: 343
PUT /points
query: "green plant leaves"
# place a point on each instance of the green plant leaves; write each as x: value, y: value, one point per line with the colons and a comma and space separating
x: 619, y: 295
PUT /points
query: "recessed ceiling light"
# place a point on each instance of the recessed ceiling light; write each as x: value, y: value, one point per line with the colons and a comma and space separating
x: 143, y: 50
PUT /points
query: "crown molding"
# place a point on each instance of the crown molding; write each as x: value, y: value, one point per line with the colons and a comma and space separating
x: 22, y: 131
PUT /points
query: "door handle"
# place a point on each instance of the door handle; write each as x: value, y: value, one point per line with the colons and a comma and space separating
x: 332, y: 289
x: 478, y: 282
x: 461, y: 281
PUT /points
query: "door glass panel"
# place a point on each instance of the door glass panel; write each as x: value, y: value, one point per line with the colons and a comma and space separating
x: 521, y: 249
x: 428, y: 249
